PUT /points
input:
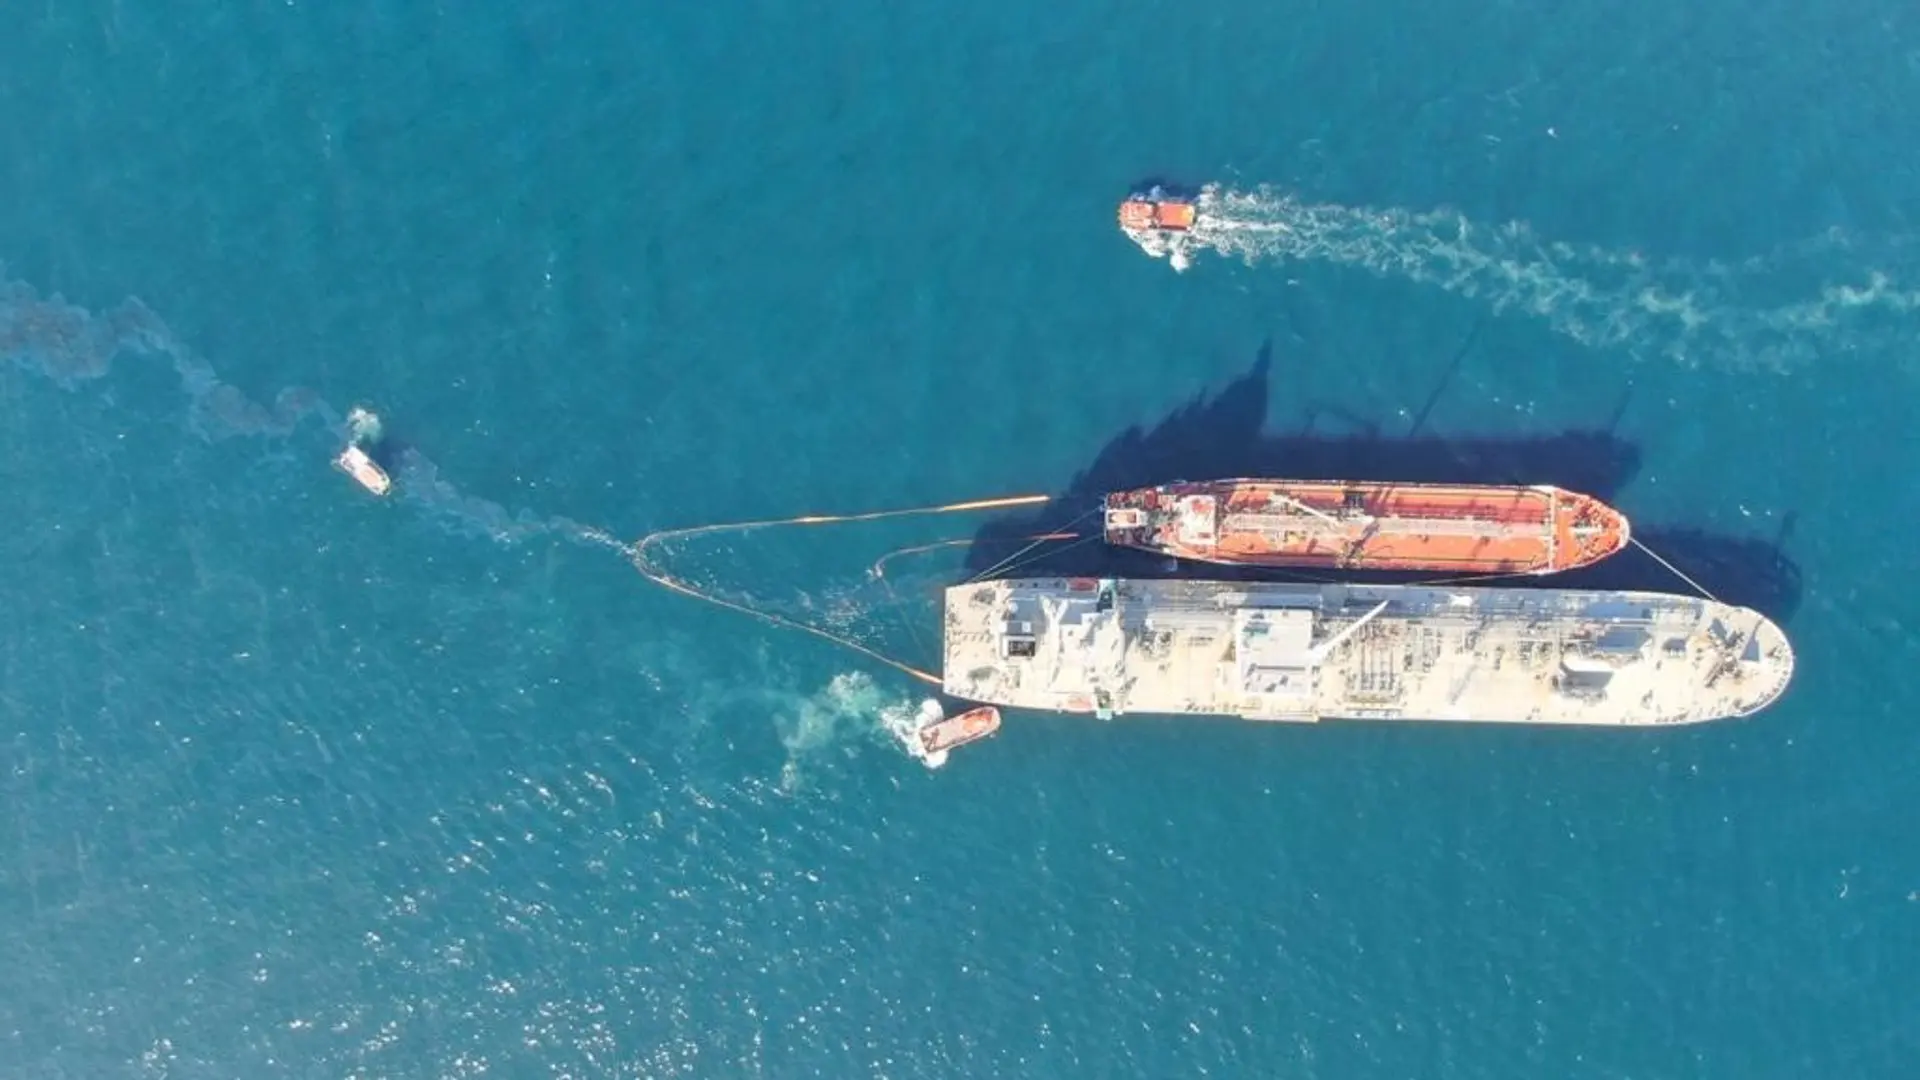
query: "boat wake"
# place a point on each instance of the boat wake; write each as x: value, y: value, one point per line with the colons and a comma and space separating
x: 907, y: 733
x: 1765, y: 313
x: 364, y: 427
x: 852, y: 710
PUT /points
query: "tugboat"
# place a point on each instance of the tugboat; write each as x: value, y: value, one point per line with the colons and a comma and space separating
x: 1155, y: 211
x: 363, y: 428
x: 936, y: 737
x: 1161, y: 223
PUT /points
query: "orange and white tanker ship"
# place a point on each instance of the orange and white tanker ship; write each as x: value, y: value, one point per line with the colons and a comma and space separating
x: 1352, y: 525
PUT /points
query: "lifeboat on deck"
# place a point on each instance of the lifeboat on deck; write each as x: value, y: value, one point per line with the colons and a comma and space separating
x: 941, y: 736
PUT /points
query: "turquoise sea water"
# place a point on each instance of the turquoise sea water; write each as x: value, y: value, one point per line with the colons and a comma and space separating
x: 298, y: 783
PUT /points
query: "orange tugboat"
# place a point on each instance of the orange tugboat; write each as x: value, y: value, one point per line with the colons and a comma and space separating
x: 1328, y: 524
x: 940, y: 736
x: 1162, y: 224
x: 1156, y: 212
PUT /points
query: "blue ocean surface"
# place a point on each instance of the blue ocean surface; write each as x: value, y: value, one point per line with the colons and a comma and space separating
x: 297, y: 782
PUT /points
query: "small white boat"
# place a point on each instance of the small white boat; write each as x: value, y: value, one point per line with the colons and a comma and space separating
x: 365, y: 471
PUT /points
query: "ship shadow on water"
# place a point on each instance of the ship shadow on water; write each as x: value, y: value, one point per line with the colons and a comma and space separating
x: 1224, y: 435
x: 1173, y: 189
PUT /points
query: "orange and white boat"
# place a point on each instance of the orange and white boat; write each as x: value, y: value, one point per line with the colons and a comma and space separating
x: 365, y: 471
x: 1349, y: 525
x: 940, y: 736
x: 1155, y: 211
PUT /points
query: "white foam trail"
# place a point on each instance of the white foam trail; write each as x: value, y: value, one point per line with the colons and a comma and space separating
x: 1688, y: 312
x: 849, y: 710
x: 363, y: 426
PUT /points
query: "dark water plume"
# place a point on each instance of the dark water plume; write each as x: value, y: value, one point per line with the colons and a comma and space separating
x: 73, y: 347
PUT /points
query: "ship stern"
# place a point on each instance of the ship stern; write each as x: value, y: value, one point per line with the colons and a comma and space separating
x: 976, y: 662
x: 1126, y: 519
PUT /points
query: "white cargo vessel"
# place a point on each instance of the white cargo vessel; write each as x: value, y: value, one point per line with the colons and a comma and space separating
x: 1280, y: 651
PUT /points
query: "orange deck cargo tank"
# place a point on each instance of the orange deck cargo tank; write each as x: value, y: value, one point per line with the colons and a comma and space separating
x: 1343, y: 525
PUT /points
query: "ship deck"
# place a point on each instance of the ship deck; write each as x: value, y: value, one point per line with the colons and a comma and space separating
x: 1473, y: 528
x: 1282, y: 651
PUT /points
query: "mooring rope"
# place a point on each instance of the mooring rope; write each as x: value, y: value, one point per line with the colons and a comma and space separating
x: 1014, y: 559
x: 1676, y: 571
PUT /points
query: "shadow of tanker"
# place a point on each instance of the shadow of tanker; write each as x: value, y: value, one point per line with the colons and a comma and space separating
x: 1223, y: 435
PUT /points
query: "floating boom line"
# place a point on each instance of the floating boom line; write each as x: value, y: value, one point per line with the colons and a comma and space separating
x: 653, y: 572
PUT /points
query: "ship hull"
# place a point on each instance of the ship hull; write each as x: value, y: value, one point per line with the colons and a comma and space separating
x: 1339, y: 525
x: 1291, y: 652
